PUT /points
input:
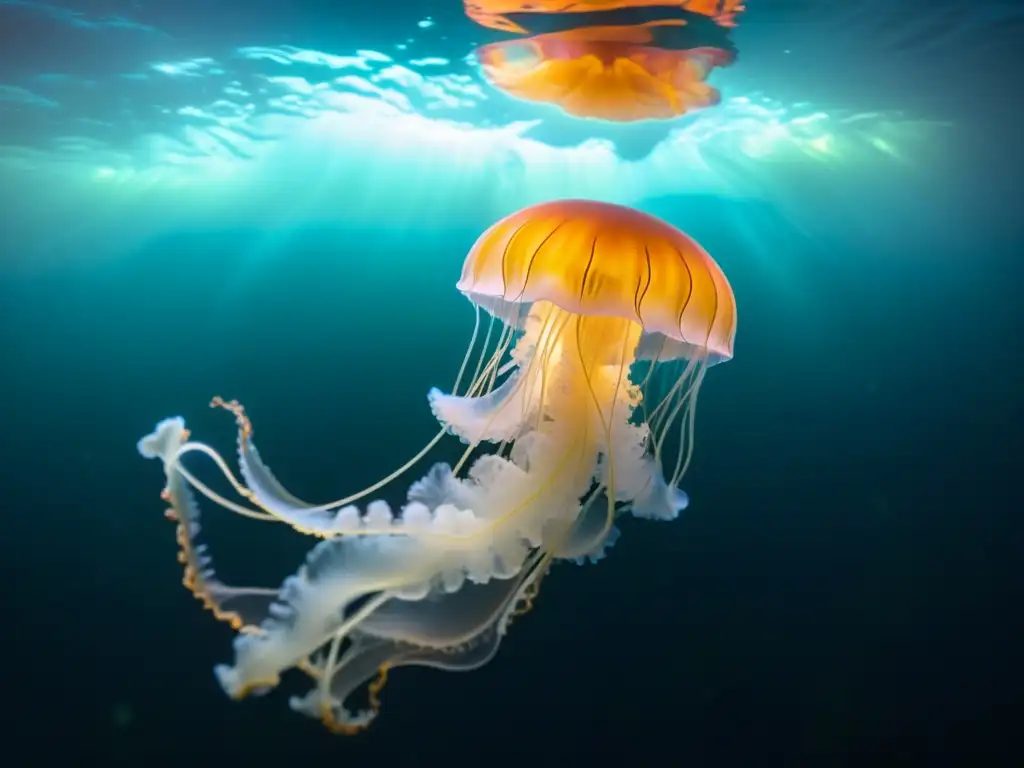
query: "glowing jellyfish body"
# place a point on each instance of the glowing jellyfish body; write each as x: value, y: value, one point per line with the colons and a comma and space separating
x: 583, y: 290
x: 615, y: 73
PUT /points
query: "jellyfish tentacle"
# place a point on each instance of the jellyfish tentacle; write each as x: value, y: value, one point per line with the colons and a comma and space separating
x: 264, y: 490
x: 205, y: 490
x: 311, y: 608
x: 261, y: 486
x: 505, y: 411
x: 590, y: 539
x: 244, y: 608
x: 497, y: 416
x: 470, y: 347
x: 456, y: 632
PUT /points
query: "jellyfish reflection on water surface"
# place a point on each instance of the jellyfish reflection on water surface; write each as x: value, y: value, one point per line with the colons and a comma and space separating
x: 594, y: 304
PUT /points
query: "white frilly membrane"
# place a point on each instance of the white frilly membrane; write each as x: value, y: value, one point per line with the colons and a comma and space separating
x: 436, y: 581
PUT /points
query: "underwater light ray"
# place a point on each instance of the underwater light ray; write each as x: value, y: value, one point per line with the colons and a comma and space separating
x: 317, y: 132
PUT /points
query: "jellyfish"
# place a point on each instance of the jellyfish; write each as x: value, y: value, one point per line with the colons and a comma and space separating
x: 615, y: 73
x: 589, y: 304
x: 508, y: 15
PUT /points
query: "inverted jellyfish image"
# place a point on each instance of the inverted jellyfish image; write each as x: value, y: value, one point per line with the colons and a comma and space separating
x: 595, y: 307
x: 615, y: 73
x: 513, y: 15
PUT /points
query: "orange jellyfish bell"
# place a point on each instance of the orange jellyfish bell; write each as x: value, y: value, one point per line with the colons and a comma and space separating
x: 602, y: 259
x: 614, y: 73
